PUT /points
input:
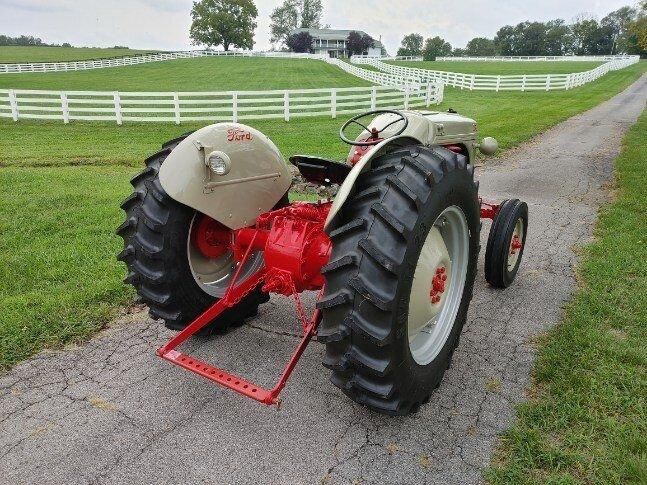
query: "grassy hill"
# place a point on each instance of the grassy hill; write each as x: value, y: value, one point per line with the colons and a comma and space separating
x: 16, y: 54
x: 502, y: 68
x: 199, y: 74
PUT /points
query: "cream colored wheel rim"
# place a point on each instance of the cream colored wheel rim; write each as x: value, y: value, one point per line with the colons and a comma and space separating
x: 214, y: 274
x: 434, y: 301
x: 514, y: 252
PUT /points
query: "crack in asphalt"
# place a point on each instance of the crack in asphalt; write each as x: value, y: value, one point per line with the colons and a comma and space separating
x: 111, y: 412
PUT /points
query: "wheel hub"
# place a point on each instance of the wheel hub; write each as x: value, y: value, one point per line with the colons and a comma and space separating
x: 438, y: 283
x: 212, y: 238
x: 516, y: 244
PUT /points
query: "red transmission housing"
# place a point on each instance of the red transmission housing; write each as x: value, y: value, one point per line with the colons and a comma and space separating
x: 294, y: 245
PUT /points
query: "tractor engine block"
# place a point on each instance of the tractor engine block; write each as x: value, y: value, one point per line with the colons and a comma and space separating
x: 294, y: 244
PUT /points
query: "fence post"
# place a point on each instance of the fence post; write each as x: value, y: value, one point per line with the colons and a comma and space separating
x: 498, y: 83
x: 234, y: 107
x: 333, y: 103
x: 117, y: 100
x: 428, y: 95
x: 568, y: 81
x: 176, y: 108
x: 406, y: 97
x: 373, y: 97
x: 547, y: 82
x: 65, y: 108
x: 13, y: 102
x: 286, y: 105
x: 523, y: 83
x: 472, y: 82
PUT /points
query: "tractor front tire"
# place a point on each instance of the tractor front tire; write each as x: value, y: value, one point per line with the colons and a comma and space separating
x: 155, y: 234
x: 381, y: 242
x: 502, y: 260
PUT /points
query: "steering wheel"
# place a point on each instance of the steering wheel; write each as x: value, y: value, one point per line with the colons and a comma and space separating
x: 374, y: 139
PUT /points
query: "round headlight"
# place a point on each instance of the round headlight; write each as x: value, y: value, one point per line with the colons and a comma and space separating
x: 219, y: 163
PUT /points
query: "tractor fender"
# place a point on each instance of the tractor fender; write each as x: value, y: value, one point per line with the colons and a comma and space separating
x: 346, y: 187
x: 255, y: 175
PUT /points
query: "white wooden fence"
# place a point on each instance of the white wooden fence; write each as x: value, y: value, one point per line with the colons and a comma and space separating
x: 391, y: 58
x: 535, y: 58
x: 140, y: 59
x: 521, y: 82
x: 382, y: 78
x: 180, y: 107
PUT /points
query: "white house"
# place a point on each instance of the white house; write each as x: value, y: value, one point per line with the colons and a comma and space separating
x: 333, y: 42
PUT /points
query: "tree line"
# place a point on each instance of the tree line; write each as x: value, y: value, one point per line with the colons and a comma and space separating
x: 623, y: 31
x: 27, y: 40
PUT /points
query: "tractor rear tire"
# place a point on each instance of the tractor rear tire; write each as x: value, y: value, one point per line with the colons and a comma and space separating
x: 378, y: 241
x: 155, y: 234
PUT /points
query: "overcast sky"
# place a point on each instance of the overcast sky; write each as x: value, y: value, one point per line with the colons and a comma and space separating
x: 164, y: 24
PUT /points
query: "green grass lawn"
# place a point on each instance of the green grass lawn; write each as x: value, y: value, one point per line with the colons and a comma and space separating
x: 198, y: 74
x: 509, y: 68
x: 61, y: 186
x: 18, y: 54
x: 59, y: 281
x: 587, y: 419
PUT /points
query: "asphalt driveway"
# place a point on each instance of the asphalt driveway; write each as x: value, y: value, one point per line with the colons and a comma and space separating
x: 112, y: 412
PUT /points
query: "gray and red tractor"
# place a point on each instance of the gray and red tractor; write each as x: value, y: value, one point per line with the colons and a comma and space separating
x: 210, y: 233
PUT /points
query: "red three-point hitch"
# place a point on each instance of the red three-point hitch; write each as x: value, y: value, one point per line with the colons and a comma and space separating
x: 295, y: 248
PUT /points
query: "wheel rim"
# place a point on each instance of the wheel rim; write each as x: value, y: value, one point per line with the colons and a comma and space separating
x: 516, y: 244
x: 438, y: 283
x: 213, y: 274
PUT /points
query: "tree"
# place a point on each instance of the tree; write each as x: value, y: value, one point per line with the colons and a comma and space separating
x: 436, y: 47
x: 637, y: 39
x: 591, y: 38
x: 505, y: 40
x: 411, y: 45
x: 357, y: 43
x: 531, y: 38
x: 558, y: 38
x: 311, y: 14
x: 283, y: 20
x: 224, y: 22
x: 300, y: 42
x: 618, y: 23
x: 480, y: 46
x: 292, y: 14
x: 458, y: 52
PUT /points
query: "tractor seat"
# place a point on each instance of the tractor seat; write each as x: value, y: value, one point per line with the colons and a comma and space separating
x: 320, y: 170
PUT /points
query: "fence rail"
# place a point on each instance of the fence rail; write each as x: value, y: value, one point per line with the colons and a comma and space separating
x: 483, y: 82
x: 180, y: 107
x: 536, y: 58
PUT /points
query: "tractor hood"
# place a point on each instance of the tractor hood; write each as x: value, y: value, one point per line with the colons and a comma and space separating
x: 447, y: 127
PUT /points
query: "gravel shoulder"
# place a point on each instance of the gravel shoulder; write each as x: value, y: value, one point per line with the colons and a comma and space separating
x: 112, y: 412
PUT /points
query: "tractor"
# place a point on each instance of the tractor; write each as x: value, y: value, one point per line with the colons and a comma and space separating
x: 210, y: 233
